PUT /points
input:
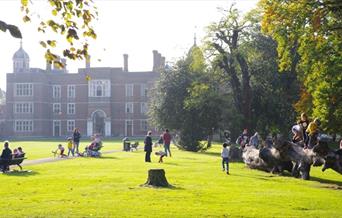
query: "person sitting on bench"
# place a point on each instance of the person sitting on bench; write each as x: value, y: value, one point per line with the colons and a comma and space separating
x: 6, y: 156
x: 18, y: 152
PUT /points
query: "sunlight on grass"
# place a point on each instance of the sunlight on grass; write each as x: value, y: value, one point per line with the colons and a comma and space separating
x: 110, y: 187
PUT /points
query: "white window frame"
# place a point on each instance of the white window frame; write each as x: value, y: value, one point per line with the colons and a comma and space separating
x: 143, y: 89
x: 129, y: 108
x: 143, y: 125
x: 23, y: 126
x: 71, y: 108
x: 56, y: 108
x: 59, y: 125
x: 23, y: 108
x: 23, y: 89
x: 143, y: 107
x: 56, y: 91
x: 129, y: 90
x: 94, y: 85
x: 71, y: 91
x: 70, y: 125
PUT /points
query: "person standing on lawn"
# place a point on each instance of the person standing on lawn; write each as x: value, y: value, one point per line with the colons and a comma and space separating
x: 148, y: 146
x: 76, y: 136
x: 167, y: 141
x: 225, y: 158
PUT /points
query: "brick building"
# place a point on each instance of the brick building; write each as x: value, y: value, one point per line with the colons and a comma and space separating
x: 52, y: 102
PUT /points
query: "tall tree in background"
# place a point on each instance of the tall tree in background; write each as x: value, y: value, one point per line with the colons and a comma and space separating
x: 186, y: 100
x: 309, y: 37
x: 224, y: 39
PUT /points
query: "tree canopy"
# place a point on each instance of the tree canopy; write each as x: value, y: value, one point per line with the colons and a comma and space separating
x: 309, y: 38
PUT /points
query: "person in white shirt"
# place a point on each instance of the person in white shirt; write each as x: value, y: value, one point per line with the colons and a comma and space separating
x: 225, y: 157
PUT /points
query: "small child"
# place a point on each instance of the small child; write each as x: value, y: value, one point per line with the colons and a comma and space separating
x: 60, y: 148
x: 70, y: 146
x: 225, y: 157
x: 162, y: 154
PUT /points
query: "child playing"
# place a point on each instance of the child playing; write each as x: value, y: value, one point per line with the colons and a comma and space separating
x: 70, y: 146
x: 59, y: 149
x: 225, y: 157
x: 162, y: 154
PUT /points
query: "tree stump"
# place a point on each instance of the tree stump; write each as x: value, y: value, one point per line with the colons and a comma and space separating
x: 156, y: 178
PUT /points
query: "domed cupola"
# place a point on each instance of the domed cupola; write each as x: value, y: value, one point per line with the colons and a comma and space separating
x: 21, y: 60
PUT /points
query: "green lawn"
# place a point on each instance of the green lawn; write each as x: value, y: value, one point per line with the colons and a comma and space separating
x: 109, y: 187
x: 43, y: 149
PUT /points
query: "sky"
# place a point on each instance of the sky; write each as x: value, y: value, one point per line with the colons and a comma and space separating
x: 135, y: 27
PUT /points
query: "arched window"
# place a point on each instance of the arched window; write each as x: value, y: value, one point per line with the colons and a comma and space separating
x: 99, y: 90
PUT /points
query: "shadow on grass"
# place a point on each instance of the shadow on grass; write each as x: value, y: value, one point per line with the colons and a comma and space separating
x: 23, y: 173
x: 170, y: 187
x: 167, y: 163
x: 327, y: 181
x: 217, y: 154
x: 108, y: 157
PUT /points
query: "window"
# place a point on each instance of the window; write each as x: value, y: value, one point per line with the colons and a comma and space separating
x: 70, y: 125
x: 23, y: 125
x: 23, y: 108
x: 129, y: 90
x: 56, y: 108
x: 56, y: 91
x: 23, y: 89
x: 143, y: 89
x: 99, y: 88
x: 71, y: 108
x: 143, y: 125
x: 71, y: 91
x: 129, y: 107
x: 143, y: 107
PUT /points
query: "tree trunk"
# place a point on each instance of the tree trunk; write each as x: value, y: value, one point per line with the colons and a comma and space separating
x: 156, y: 178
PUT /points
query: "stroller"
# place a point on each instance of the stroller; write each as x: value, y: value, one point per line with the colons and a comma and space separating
x: 93, y: 150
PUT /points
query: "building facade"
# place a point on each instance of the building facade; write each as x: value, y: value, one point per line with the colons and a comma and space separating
x: 52, y: 102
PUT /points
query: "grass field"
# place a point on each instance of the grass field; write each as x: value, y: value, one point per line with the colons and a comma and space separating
x: 43, y: 149
x: 110, y: 187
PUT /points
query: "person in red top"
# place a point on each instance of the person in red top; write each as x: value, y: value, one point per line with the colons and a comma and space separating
x: 167, y: 141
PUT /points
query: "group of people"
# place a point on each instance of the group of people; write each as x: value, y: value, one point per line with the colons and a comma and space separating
x: 7, y: 155
x: 244, y: 140
x: 165, y: 138
x: 72, y: 145
x: 306, y: 132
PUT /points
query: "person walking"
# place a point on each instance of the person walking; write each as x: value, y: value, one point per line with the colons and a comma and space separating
x: 225, y: 158
x: 167, y: 141
x: 76, y: 136
x: 148, y: 146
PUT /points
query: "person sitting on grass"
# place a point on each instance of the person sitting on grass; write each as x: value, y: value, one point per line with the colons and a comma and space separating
x: 59, y: 151
x: 70, y: 147
x: 225, y: 157
x: 162, y: 154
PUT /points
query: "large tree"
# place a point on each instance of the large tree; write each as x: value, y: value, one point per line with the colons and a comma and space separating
x: 186, y: 100
x: 224, y: 39
x: 309, y: 37
x: 248, y: 59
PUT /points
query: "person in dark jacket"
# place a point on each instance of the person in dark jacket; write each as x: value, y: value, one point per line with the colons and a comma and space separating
x: 6, y: 156
x: 76, y: 139
x: 148, y: 146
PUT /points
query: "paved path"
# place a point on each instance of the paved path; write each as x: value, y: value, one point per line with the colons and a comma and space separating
x: 54, y: 159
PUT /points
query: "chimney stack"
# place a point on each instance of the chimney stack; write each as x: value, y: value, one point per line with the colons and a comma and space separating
x: 87, y: 62
x: 158, y: 61
x: 125, y: 69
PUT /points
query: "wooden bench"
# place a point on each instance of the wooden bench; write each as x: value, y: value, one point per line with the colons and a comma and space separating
x: 14, y: 161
